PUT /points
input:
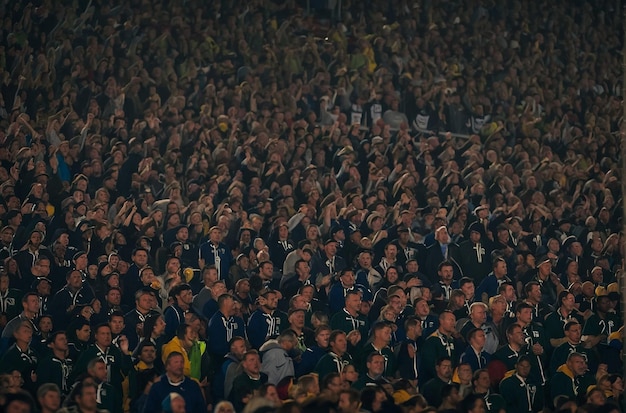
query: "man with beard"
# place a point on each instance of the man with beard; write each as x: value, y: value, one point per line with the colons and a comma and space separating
x: 266, y: 322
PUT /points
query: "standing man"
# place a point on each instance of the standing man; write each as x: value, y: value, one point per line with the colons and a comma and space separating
x: 118, y: 361
x: 266, y: 322
x: 215, y: 252
x: 475, y: 253
x: 175, y: 314
x: 438, y: 345
x: 520, y: 395
x: 174, y: 381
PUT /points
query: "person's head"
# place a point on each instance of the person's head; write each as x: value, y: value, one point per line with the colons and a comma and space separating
x: 349, y: 374
x: 443, y: 367
x: 18, y: 402
x: 445, y: 271
x: 349, y: 401
x: 522, y: 367
x: 450, y: 394
x: 464, y: 371
x: 353, y: 301
x: 23, y: 333
x: 226, y: 304
x: 577, y: 363
x: 533, y: 291
x: 57, y: 341
x: 524, y: 313
x: 338, y: 342
x: 140, y: 257
x: 596, y: 397
x: 175, y: 364
x: 478, y: 313
x: 476, y: 338
x: 296, y: 318
x: 322, y: 336
x: 85, y: 395
x: 347, y: 277
x: 287, y: 340
x: 515, y: 335
x: 98, y: 370
x: 268, y: 300
x: 381, y: 332
x: 481, y: 381
x: 30, y: 304
x: 74, y: 279
x: 447, y: 322
x: 49, y: 397
x: 146, y: 352
x: 603, y: 304
x: 238, y: 346
x: 499, y: 268
x: 82, y: 330
x: 103, y: 336
x: 566, y: 301
x: 251, y: 362
x: 332, y: 382
x: 468, y: 287
x: 182, y: 294
x: 224, y: 407
x: 375, y: 364
x: 508, y: 292
x: 573, y: 331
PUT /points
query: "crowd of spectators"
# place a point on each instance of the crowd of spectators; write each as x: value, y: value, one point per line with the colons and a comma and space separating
x: 229, y: 206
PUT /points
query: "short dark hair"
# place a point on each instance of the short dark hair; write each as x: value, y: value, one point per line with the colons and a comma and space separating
x: 172, y: 355
x: 465, y: 280
x: 444, y: 263
x: 373, y: 354
x: 440, y: 360
x: 570, y: 324
x: 181, y: 330
x: 529, y: 286
x: 334, y: 334
x: 521, y: 306
x: 472, y: 333
x: 328, y: 378
x: 511, y: 327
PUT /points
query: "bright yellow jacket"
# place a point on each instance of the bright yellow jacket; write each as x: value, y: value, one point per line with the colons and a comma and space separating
x: 175, y: 345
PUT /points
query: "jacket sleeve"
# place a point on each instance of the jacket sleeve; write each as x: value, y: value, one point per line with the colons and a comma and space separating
x: 217, y: 333
x: 172, y: 322
x: 257, y: 330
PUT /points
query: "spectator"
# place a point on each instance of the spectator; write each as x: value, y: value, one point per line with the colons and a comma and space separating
x: 277, y: 364
x: 223, y: 326
x: 49, y: 398
x: 266, y: 322
x: 433, y: 388
x: 174, y: 381
x: 249, y: 380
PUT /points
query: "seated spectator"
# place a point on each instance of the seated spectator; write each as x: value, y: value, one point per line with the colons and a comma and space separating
x: 175, y: 381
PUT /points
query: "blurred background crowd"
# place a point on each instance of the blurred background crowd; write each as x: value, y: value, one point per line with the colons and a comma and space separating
x: 290, y: 206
